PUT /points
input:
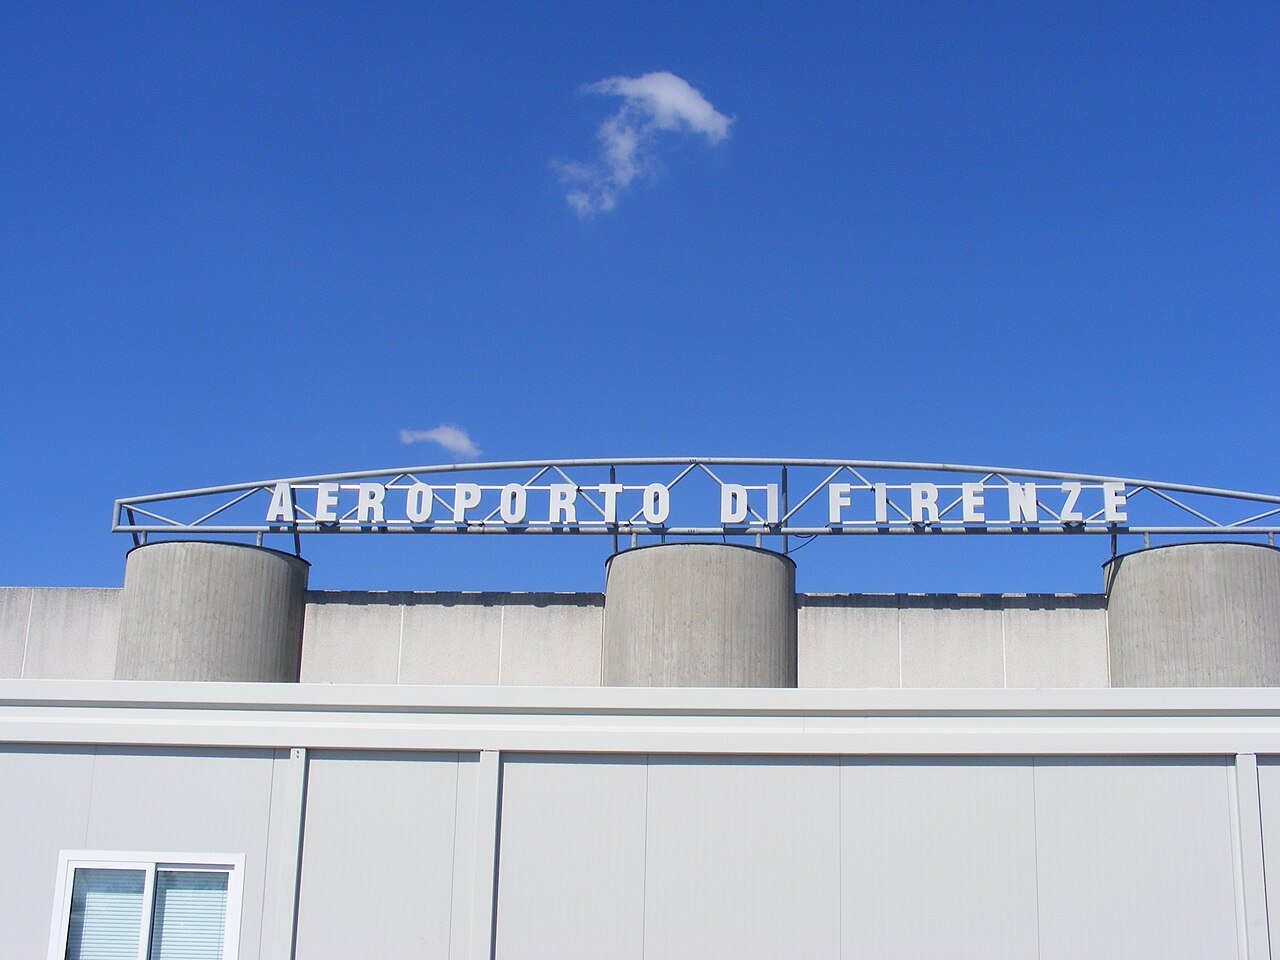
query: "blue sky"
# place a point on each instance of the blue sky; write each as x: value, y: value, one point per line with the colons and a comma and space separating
x: 246, y: 241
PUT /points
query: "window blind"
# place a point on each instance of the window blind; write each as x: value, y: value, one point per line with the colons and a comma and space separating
x: 106, y: 914
x: 190, y: 915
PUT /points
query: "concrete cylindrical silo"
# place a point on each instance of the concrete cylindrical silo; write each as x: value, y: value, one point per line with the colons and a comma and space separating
x: 211, y: 611
x: 699, y: 615
x: 1195, y: 615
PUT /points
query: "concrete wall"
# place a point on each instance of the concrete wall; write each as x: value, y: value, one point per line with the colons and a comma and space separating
x: 699, y: 615
x: 59, y: 632
x: 952, y: 640
x: 513, y: 639
x: 554, y: 639
x: 194, y: 610
x: 1195, y: 615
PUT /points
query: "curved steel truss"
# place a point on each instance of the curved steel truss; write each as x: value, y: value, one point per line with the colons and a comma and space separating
x: 718, y: 497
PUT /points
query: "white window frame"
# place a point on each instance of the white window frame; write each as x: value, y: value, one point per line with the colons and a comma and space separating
x: 148, y: 861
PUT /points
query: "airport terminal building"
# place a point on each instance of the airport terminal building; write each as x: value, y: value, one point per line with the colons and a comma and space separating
x: 699, y: 762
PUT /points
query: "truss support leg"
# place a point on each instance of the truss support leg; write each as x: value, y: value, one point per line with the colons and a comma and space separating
x: 613, y: 478
x: 784, y: 509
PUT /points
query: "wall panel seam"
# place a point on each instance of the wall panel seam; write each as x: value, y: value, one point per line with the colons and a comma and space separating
x: 1004, y: 649
x: 644, y: 864
x: 276, y: 756
x: 26, y: 635
x: 1235, y: 822
x: 1035, y: 848
x: 502, y: 637
x: 400, y: 647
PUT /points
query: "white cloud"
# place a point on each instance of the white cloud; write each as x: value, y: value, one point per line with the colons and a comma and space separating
x: 452, y: 438
x: 653, y: 103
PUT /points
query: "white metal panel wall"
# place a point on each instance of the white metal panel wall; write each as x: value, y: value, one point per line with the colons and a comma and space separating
x: 938, y: 859
x: 191, y: 801
x: 44, y: 808
x: 713, y: 857
x: 742, y: 860
x: 1135, y: 859
x: 571, y: 870
x: 379, y: 853
x: 669, y: 857
x: 1269, y: 802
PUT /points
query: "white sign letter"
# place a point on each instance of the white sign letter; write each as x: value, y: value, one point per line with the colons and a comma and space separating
x: 972, y: 502
x: 369, y: 499
x: 837, y: 499
x: 512, y: 505
x: 733, y: 503
x: 281, y: 504
x: 924, y: 500
x: 610, y: 491
x: 1113, y: 502
x: 1069, y: 512
x: 882, y: 502
x: 465, y: 496
x: 562, y: 508
x: 657, y: 503
x: 771, y: 503
x: 326, y: 500
x: 1022, y: 503
x: 418, y: 503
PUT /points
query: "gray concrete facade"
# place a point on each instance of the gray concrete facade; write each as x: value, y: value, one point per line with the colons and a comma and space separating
x: 952, y: 640
x: 1195, y: 615
x: 699, y: 615
x: 511, y: 639
x: 555, y: 639
x: 211, y: 611
x: 59, y: 633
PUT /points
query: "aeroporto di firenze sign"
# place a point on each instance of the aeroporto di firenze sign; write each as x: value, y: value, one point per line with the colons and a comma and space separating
x: 570, y: 504
x: 711, y: 497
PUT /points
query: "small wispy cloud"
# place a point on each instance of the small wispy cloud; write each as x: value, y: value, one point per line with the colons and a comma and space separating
x: 652, y: 104
x: 449, y: 436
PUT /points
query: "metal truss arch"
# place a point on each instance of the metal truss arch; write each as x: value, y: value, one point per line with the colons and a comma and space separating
x: 751, y: 497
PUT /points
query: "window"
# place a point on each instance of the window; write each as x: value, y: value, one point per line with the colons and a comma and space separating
x: 146, y: 906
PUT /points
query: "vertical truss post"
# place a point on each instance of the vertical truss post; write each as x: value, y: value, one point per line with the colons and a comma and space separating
x: 613, y: 478
x: 783, y: 513
x: 297, y: 540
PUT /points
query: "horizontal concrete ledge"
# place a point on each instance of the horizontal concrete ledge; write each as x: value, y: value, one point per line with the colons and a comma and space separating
x: 947, y: 601
x: 455, y: 598
x: 684, y: 701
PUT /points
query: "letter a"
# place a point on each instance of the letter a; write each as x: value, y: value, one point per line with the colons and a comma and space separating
x: 281, y: 505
